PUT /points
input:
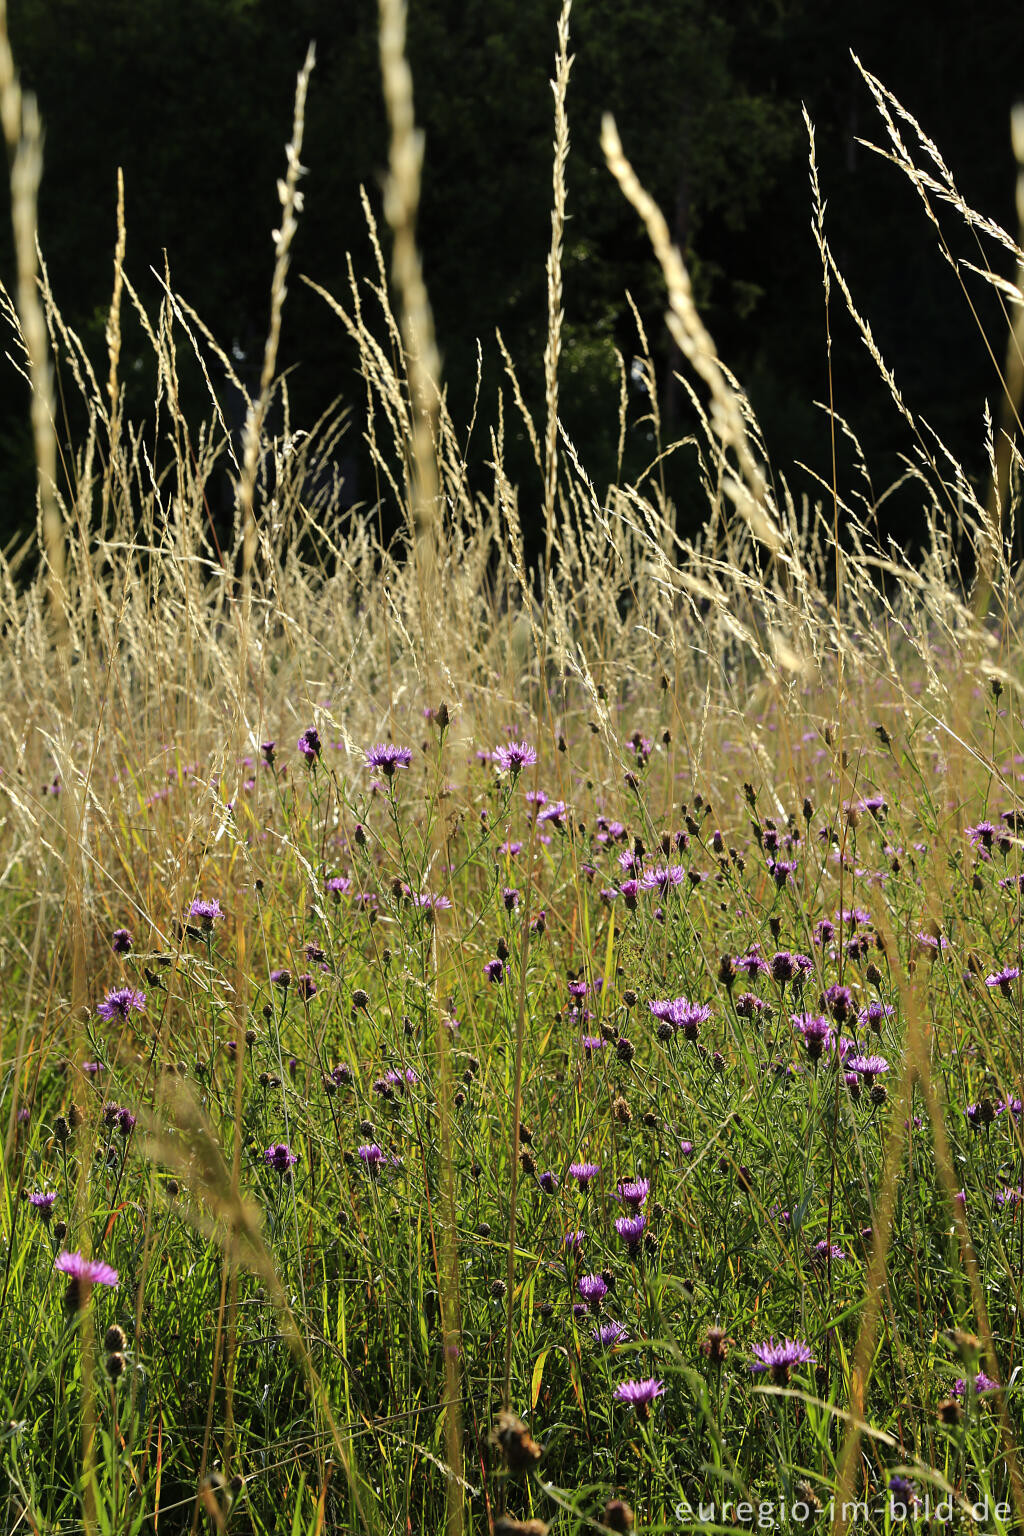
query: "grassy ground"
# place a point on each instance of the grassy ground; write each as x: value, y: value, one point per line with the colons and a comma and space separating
x: 485, y: 1048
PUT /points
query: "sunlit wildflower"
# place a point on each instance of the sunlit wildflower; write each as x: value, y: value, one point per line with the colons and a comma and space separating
x: 634, y: 1192
x: 514, y: 757
x: 121, y: 1002
x: 205, y: 912
x: 1004, y: 979
x: 639, y: 1394
x: 309, y: 745
x: 610, y: 1333
x: 584, y: 1172
x: 778, y: 1357
x: 387, y: 757
x: 280, y: 1157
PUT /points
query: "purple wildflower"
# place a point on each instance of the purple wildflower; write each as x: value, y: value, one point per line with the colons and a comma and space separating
x: 981, y: 1383
x: 867, y: 1067
x: 639, y: 1394
x: 339, y: 886
x: 634, y: 1192
x: 593, y: 1289
x: 631, y: 1230
x: 309, y: 745
x: 494, y: 970
x: 1003, y: 979
x: 609, y: 1334
x: 779, y: 1358
x: 85, y: 1271
x: 121, y: 1002
x: 280, y: 1157
x: 584, y: 1172
x: 663, y: 878
x: 43, y: 1203
x: 574, y: 1241
x: 121, y: 941
x: 514, y: 757
x: 387, y: 757
x: 205, y: 912
x: 548, y: 1181
x: 372, y: 1157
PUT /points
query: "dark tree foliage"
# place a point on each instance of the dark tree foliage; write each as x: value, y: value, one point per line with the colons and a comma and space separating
x: 193, y: 99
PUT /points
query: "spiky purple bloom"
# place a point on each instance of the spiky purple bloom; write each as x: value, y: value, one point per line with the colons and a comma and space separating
x: 639, y: 1394
x: 593, y: 1289
x: 120, y: 1002
x: 548, y: 1181
x: 306, y: 986
x: 824, y: 1251
x: 574, y: 1241
x: 1011, y: 1195
x: 867, y: 1067
x: 779, y: 1357
x: 1004, y: 979
x: 663, y: 878
x: 121, y: 941
x: 387, y: 757
x: 875, y: 1012
x: 634, y: 1192
x: 781, y: 870
x: 584, y: 1172
x: 125, y: 1122
x: 983, y: 835
x: 87, y: 1271
x: 280, y: 1157
x: 494, y: 970
x: 631, y: 1229
x: 267, y: 752
x: 752, y: 963
x: 309, y: 744
x: 43, y: 1202
x: 514, y: 757
x: 981, y: 1383
x: 838, y: 1001
x: 339, y: 886
x: 816, y: 1031
x: 609, y: 1334
x: 205, y: 912
x: 592, y: 1043
x: 282, y: 979
x: 785, y: 966
x: 372, y: 1157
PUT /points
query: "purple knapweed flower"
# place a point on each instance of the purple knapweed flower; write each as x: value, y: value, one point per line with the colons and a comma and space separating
x: 267, y: 752
x: 372, y: 1157
x: 280, y: 1157
x: 204, y: 912
x: 309, y: 744
x: 306, y: 986
x: 785, y: 966
x: 824, y: 1252
x: 873, y: 1015
x: 663, y: 878
x: 121, y: 1002
x: 631, y: 1229
x: 610, y: 1333
x: 816, y: 1031
x: 838, y: 1001
x: 867, y: 1067
x: 339, y: 886
x: 1004, y: 979
x: 983, y: 835
x: 85, y: 1271
x: 555, y: 812
x: 593, y: 1289
x: 634, y: 1192
x: 387, y: 757
x: 781, y: 870
x: 548, y: 1181
x: 121, y: 941
x: 639, y: 1394
x: 43, y: 1202
x: 592, y: 1043
x: 753, y: 963
x: 779, y: 1358
x: 514, y: 757
x: 494, y: 970
x: 584, y: 1172
x: 981, y: 1383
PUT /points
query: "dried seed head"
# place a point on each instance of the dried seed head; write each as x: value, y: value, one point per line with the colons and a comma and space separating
x: 517, y: 1445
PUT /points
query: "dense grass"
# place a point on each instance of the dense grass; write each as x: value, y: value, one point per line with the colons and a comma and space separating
x: 374, y: 919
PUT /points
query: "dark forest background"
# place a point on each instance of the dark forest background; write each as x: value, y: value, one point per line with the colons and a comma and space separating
x: 193, y: 98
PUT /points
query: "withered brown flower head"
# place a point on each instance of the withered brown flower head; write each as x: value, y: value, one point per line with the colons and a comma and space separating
x: 517, y: 1445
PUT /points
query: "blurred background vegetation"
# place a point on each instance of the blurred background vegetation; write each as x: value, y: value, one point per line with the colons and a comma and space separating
x: 193, y: 99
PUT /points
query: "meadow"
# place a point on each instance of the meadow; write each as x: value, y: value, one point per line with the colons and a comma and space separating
x: 494, y: 1046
